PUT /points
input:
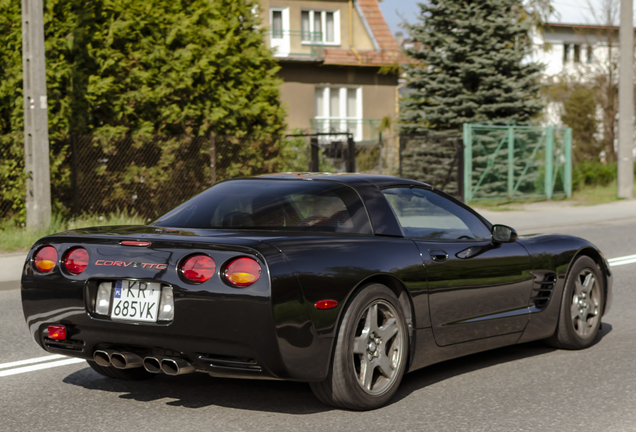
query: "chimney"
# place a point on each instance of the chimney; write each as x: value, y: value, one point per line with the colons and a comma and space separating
x: 399, y: 38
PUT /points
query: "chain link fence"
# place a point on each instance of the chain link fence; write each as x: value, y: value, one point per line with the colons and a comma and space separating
x: 147, y: 176
x: 435, y: 158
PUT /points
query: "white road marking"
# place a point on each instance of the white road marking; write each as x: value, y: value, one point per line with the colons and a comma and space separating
x: 629, y: 259
x: 30, y: 361
x: 41, y: 366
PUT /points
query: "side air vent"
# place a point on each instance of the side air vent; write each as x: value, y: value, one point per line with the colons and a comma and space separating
x: 227, y: 362
x: 542, y: 290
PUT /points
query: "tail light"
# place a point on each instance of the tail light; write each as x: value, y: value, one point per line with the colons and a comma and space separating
x: 76, y: 260
x: 198, y: 268
x: 242, y: 272
x: 45, y: 259
x: 57, y: 332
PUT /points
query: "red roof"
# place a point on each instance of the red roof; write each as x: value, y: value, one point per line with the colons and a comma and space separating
x: 380, y: 29
x: 389, y: 53
x: 363, y: 57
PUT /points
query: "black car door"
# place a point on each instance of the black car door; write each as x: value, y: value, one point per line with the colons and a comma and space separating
x: 477, y: 288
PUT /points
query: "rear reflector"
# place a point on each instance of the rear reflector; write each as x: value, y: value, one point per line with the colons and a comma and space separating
x: 198, y: 268
x: 134, y: 243
x: 57, y: 332
x: 76, y: 260
x: 242, y: 272
x: 326, y: 304
x: 45, y: 259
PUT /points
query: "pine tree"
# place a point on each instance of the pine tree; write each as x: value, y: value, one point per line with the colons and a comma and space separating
x: 469, y: 64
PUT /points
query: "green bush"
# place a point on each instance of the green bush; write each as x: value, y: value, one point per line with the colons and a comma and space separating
x: 593, y: 173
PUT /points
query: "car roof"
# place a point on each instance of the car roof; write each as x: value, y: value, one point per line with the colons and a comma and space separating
x: 352, y: 179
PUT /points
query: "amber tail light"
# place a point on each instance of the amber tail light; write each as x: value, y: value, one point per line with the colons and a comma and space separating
x: 45, y: 259
x: 242, y: 272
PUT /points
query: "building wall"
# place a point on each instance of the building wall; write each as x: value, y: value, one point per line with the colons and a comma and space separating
x: 550, y: 49
x: 301, y: 80
x: 361, y: 39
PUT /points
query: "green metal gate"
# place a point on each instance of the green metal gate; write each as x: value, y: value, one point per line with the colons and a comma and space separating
x: 516, y: 162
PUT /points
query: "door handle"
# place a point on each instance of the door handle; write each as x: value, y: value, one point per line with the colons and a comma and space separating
x: 438, y: 255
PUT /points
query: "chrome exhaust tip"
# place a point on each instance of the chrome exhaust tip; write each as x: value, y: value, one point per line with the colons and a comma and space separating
x: 102, y: 357
x: 176, y: 367
x: 125, y: 360
x: 152, y: 364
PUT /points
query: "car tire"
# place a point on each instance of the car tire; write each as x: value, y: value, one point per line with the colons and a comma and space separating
x: 372, y: 334
x: 134, y: 374
x: 581, y: 306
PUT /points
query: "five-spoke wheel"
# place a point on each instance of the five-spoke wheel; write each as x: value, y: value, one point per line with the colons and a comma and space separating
x: 581, y: 306
x: 377, y: 347
x: 371, y: 352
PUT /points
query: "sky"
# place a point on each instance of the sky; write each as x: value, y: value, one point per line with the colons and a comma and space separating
x: 569, y: 11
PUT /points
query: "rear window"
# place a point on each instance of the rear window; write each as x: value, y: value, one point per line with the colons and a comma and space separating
x: 255, y: 204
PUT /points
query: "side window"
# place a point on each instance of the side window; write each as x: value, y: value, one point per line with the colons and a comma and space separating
x: 427, y: 215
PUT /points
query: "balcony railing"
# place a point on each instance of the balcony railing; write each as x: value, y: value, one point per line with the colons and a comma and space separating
x: 362, y: 129
x: 296, y: 44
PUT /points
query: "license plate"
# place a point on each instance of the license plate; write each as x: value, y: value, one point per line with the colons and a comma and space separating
x: 135, y: 301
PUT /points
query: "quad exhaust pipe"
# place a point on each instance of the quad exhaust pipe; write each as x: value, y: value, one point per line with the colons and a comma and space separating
x: 153, y: 364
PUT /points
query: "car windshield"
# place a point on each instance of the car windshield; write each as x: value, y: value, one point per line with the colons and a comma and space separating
x: 268, y: 204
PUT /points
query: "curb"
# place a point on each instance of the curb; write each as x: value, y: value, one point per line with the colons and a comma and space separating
x: 9, y: 285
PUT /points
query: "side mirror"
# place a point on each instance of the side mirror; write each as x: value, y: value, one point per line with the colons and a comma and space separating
x: 503, y: 234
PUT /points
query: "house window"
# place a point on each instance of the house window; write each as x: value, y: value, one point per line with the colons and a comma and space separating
x: 590, y: 54
x: 320, y: 26
x: 577, y: 53
x: 277, y: 24
x: 339, y: 109
x: 566, y: 53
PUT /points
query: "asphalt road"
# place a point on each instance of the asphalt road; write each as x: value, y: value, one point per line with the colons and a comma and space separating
x: 528, y: 387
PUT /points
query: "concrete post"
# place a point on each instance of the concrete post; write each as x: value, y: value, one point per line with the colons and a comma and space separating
x: 36, y: 130
x: 626, y: 104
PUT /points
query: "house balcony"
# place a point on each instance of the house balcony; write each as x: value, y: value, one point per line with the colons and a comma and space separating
x: 363, y: 130
x: 296, y: 45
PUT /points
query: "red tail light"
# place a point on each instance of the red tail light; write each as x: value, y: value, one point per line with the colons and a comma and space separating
x: 198, y: 268
x: 57, y: 332
x: 76, y: 260
x: 242, y: 272
x: 45, y: 259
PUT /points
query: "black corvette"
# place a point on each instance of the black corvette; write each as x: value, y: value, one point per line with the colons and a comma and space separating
x: 342, y: 281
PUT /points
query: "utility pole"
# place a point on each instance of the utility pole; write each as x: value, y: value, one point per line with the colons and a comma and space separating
x: 36, y: 127
x: 626, y: 104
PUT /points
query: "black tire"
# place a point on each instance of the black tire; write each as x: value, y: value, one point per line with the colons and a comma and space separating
x: 573, y: 332
x: 381, y: 352
x: 135, y: 374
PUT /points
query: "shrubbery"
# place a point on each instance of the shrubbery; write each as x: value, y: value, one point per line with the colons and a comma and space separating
x: 594, y: 173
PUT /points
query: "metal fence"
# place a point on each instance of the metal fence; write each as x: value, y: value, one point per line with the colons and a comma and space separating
x: 513, y: 162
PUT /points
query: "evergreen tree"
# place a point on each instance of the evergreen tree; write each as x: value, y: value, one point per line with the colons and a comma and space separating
x: 469, y: 64
x: 140, y: 68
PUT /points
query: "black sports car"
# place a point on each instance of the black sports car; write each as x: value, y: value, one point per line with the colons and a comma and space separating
x: 342, y: 281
